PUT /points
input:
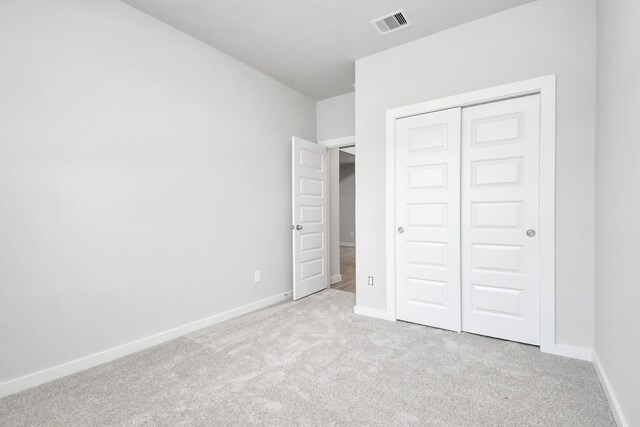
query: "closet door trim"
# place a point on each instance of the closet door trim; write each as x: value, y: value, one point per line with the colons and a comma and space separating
x: 546, y: 88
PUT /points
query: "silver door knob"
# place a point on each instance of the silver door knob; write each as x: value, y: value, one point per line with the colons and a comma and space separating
x: 298, y: 227
x: 400, y: 230
x: 531, y: 233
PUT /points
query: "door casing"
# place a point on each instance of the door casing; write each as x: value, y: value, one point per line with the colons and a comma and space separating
x: 546, y: 88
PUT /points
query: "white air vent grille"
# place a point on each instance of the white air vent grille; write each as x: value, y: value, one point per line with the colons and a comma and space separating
x: 392, y: 22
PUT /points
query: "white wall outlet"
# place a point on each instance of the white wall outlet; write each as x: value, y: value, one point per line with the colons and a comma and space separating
x: 370, y: 281
x: 257, y: 277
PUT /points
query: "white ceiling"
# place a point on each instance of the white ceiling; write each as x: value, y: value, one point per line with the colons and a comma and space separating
x: 311, y: 45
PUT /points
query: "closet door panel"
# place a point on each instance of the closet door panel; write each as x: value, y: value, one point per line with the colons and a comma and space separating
x: 500, y: 219
x: 428, y: 219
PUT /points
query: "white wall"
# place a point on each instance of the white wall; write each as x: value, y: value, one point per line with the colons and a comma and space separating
x: 540, y: 38
x: 347, y: 198
x: 144, y: 176
x: 336, y: 117
x: 617, y: 327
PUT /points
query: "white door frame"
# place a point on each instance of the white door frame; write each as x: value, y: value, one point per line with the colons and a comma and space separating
x: 345, y: 141
x: 546, y: 87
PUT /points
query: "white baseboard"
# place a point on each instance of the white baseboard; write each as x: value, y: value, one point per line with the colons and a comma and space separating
x: 570, y: 351
x: 348, y: 244
x: 335, y: 279
x: 372, y: 312
x: 37, y: 378
x: 616, y: 410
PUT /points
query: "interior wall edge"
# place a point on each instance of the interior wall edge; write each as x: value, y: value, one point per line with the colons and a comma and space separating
x: 616, y: 408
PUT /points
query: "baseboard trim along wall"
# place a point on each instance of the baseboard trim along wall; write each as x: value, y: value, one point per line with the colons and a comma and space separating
x: 50, y: 374
x: 372, y: 312
x: 348, y: 244
x: 335, y: 279
x: 614, y: 404
x: 571, y: 351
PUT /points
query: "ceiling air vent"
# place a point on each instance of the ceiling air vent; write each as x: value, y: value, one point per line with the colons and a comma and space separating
x: 392, y: 22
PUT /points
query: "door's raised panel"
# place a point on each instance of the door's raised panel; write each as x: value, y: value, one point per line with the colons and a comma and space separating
x: 432, y: 176
x: 499, y: 172
x: 427, y: 215
x: 496, y: 300
x: 311, y: 215
x: 502, y: 215
x: 427, y: 291
x: 311, y: 187
x: 504, y: 258
x: 311, y: 241
x: 429, y: 138
x: 430, y: 254
x: 506, y: 129
x: 311, y: 269
x: 311, y: 160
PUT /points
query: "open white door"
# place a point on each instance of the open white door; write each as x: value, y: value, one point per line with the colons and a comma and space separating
x: 310, y: 214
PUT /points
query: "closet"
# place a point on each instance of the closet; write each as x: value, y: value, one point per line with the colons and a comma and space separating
x: 467, y: 191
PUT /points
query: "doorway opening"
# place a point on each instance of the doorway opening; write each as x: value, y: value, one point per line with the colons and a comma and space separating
x: 346, y: 220
x: 323, y: 197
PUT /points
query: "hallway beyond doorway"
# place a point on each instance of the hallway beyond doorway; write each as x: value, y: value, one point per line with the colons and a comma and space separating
x: 347, y: 269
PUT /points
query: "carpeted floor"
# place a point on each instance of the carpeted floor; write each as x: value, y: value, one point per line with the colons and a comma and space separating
x: 313, y: 362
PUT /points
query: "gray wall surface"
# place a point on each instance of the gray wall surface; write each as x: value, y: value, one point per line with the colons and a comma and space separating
x: 617, y: 325
x: 144, y: 176
x: 347, y: 198
x: 537, y: 39
x: 336, y: 117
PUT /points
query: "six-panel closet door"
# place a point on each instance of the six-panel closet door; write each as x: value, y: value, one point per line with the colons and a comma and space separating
x: 467, y: 215
x: 428, y: 219
x: 500, y: 218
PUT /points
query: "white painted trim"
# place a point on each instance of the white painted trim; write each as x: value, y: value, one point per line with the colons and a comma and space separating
x: 372, y: 312
x: 573, y: 352
x: 614, y: 404
x: 329, y: 222
x: 350, y: 150
x: 335, y: 279
x: 345, y: 141
x: 546, y: 87
x: 44, y: 376
x: 348, y: 244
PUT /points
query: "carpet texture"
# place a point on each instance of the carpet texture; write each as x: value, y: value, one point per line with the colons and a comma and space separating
x: 313, y: 362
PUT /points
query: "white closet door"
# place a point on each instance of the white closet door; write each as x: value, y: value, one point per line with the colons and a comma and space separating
x: 428, y: 219
x: 500, y: 218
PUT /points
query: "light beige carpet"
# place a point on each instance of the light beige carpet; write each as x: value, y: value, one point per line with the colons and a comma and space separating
x: 314, y: 362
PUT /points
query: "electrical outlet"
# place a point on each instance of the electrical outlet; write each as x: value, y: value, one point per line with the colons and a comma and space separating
x: 257, y: 276
x: 370, y: 281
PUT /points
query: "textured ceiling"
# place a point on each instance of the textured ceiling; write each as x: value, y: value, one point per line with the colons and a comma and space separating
x: 311, y: 45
